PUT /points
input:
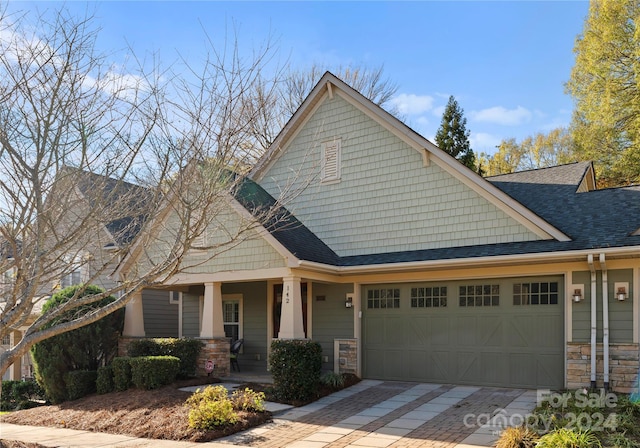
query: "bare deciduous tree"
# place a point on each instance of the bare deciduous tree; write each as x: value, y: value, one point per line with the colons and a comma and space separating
x: 92, y: 157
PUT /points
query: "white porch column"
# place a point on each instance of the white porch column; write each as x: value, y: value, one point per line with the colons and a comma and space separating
x: 291, y: 323
x: 134, y: 317
x: 212, y: 322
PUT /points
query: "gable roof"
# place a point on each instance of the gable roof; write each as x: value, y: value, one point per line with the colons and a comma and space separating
x: 114, y: 195
x: 330, y: 85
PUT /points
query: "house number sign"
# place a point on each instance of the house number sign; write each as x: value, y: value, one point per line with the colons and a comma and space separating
x: 287, y: 295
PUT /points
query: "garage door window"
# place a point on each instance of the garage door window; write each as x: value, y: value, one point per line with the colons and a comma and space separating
x: 479, y: 295
x: 383, y: 298
x: 542, y: 293
x: 429, y: 297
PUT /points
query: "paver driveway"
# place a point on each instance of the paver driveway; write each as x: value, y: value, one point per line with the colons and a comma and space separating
x: 395, y: 414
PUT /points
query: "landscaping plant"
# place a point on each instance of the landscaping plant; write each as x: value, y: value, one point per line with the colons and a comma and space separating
x: 518, y: 437
x: 84, y: 349
x: 296, y: 367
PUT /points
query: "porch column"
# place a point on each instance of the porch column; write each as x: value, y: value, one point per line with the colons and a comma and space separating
x: 134, y: 317
x: 212, y: 322
x: 291, y: 323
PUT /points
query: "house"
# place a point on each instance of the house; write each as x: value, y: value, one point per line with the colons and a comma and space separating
x: 92, y: 215
x: 405, y: 265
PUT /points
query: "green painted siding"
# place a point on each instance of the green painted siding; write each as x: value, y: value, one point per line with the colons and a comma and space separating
x: 620, y: 313
x: 382, y: 178
x: 160, y: 316
x: 254, y: 306
x: 331, y: 319
x: 246, y: 251
x: 190, y: 315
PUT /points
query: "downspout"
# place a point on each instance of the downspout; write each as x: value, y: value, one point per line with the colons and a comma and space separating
x: 605, y: 321
x: 593, y: 320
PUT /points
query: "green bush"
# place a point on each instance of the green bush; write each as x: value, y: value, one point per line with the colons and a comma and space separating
x: 568, y: 438
x: 104, y: 381
x: 248, y: 400
x: 151, y: 372
x: 80, y: 383
x: 210, y: 408
x: 86, y: 348
x: 121, y: 373
x: 185, y: 349
x: 296, y: 366
x: 333, y: 380
x: 18, y: 395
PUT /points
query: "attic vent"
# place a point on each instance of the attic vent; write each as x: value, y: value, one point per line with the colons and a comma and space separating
x: 331, y: 158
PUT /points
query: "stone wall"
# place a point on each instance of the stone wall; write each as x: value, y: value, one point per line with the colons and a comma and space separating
x: 346, y: 354
x: 624, y: 366
x: 216, y: 350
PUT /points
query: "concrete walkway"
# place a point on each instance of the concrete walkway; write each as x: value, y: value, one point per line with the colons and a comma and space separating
x: 369, y: 414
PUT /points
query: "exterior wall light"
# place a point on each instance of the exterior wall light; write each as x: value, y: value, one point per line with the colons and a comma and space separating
x: 349, y: 302
x: 577, y: 295
x: 621, y: 294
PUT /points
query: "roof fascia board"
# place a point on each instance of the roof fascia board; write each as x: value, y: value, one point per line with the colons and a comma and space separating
x: 481, y: 186
x: 543, y: 257
x: 290, y: 131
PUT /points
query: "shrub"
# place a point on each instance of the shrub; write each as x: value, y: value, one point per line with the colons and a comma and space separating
x: 209, y: 414
x: 333, y: 380
x: 567, y: 438
x: 80, y: 383
x: 520, y: 437
x: 296, y: 366
x: 211, y: 407
x: 86, y: 348
x: 248, y: 400
x: 104, y: 381
x: 186, y: 349
x: 18, y: 395
x: 151, y: 372
x: 121, y: 373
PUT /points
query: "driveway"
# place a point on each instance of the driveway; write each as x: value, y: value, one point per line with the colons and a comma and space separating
x: 395, y: 414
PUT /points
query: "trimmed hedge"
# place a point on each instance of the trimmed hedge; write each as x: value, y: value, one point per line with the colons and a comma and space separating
x: 151, y: 372
x: 18, y: 395
x: 80, y: 383
x: 296, y: 366
x: 121, y: 373
x: 186, y: 350
x: 104, y: 381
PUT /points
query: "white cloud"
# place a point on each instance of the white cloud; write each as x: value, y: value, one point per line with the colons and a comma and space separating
x: 484, y: 142
x: 503, y: 116
x: 411, y: 104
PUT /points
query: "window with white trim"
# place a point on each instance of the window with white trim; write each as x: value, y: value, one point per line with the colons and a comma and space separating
x: 331, y: 160
x: 174, y: 297
x: 74, y: 273
x: 231, y: 318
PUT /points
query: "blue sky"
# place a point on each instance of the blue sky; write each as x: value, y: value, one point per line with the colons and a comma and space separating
x: 505, y: 62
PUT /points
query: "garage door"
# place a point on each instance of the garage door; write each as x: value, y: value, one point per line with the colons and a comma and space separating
x: 494, y: 332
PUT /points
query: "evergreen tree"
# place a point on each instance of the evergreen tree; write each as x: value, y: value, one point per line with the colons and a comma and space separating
x: 453, y: 136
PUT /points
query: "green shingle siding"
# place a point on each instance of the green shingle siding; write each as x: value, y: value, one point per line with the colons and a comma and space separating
x: 160, y: 316
x: 331, y: 319
x: 382, y: 178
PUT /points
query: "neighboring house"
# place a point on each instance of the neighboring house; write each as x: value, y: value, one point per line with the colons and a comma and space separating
x: 405, y: 265
x: 84, y: 193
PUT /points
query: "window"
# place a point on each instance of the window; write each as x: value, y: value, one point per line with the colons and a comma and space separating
x: 174, y: 297
x: 535, y: 293
x: 383, y: 298
x: 480, y: 295
x: 429, y: 297
x: 331, y: 160
x: 72, y: 278
x: 6, y: 339
x: 231, y: 319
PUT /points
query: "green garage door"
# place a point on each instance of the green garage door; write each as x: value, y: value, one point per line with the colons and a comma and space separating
x: 494, y: 332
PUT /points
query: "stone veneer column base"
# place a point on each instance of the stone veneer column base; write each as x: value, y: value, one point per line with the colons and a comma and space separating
x: 624, y: 366
x: 346, y: 355
x: 216, y: 350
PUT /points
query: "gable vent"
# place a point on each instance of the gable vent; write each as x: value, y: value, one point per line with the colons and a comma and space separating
x: 331, y: 158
